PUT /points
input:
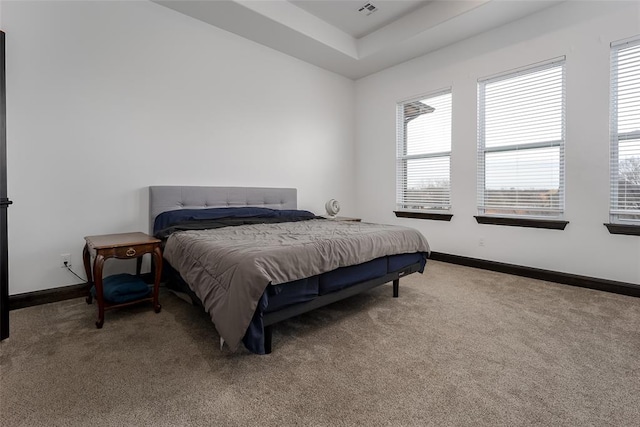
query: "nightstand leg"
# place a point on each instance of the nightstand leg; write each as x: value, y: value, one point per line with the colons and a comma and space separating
x: 86, y: 258
x: 97, y: 274
x: 157, y: 262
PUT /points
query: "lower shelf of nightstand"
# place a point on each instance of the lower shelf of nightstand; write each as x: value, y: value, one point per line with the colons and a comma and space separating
x: 107, y: 305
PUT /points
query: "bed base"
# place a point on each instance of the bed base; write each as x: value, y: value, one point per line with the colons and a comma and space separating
x: 270, y: 319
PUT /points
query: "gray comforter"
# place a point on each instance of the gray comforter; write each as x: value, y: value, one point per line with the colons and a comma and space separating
x: 229, y: 268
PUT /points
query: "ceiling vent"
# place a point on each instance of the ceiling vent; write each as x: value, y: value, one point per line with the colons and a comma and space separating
x: 368, y: 9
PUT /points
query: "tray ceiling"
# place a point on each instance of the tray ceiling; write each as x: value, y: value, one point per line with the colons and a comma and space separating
x: 338, y: 36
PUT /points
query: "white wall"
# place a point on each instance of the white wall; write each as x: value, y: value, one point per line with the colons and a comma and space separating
x: 107, y: 98
x: 580, y: 30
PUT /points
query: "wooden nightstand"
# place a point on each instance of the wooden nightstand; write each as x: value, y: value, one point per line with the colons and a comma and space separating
x: 342, y: 218
x: 120, y: 246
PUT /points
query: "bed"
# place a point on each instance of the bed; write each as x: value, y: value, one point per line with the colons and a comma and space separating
x: 251, y: 259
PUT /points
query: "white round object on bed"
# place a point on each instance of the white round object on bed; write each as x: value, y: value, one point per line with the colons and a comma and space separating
x: 333, y: 207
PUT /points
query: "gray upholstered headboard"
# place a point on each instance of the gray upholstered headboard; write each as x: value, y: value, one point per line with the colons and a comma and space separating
x: 169, y: 197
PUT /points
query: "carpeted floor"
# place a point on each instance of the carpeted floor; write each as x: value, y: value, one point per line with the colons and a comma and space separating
x: 459, y: 347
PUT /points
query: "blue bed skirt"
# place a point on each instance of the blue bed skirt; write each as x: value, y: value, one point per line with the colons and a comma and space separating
x: 277, y: 297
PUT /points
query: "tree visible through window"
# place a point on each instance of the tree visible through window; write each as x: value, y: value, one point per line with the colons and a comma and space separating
x: 521, y: 134
x: 424, y: 153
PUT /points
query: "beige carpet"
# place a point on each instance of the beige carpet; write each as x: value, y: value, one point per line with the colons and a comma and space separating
x: 459, y: 347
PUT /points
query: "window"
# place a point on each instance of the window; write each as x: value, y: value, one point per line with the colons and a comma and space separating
x: 625, y: 132
x: 521, y: 134
x: 424, y: 154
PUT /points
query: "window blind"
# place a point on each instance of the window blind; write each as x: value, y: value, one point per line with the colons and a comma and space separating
x: 521, y: 134
x: 424, y: 153
x: 625, y: 131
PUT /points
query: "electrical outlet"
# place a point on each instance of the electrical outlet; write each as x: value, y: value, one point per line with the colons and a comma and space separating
x: 65, y: 258
x: 481, y: 241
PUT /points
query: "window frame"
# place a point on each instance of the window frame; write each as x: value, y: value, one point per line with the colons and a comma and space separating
x: 439, y: 214
x: 523, y: 220
x: 617, y: 224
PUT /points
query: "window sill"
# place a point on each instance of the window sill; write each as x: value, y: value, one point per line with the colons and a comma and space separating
x: 423, y: 215
x: 627, y: 229
x: 551, y: 224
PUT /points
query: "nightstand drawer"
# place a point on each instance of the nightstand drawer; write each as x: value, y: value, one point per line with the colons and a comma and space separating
x: 133, y: 251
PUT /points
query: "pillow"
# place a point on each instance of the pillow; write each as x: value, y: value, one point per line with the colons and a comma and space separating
x: 121, y: 288
x: 294, y: 213
x: 169, y: 218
